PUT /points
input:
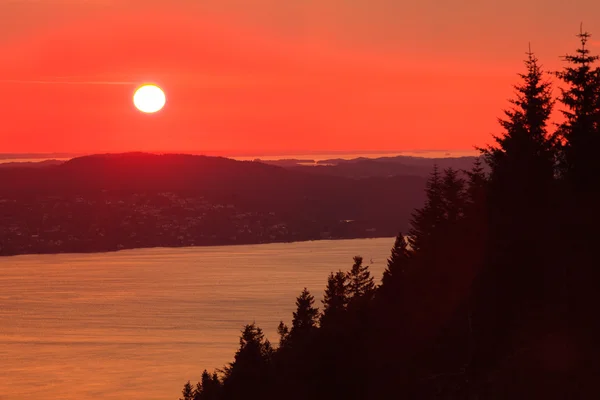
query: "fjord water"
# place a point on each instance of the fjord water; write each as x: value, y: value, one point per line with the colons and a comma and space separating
x: 139, y: 323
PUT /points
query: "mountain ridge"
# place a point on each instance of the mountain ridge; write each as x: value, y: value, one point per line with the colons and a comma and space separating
x: 130, y: 200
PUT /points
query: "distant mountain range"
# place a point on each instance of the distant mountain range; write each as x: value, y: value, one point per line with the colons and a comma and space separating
x: 114, y: 201
x: 360, y: 167
x: 369, y: 167
x: 37, y: 156
x: 30, y: 164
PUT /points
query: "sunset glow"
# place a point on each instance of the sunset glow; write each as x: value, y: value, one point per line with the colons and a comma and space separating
x: 269, y: 78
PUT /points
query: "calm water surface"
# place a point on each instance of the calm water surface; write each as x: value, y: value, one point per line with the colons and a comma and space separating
x: 140, y: 323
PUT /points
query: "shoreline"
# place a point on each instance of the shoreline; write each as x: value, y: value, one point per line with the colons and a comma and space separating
x: 190, y: 247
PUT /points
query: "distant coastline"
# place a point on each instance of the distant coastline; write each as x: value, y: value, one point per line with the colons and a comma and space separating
x: 309, y: 156
x: 109, y: 202
x: 198, y: 246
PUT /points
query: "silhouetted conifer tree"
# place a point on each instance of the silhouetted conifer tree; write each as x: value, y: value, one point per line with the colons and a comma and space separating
x: 249, y: 371
x: 305, y: 317
x: 580, y: 133
x: 335, y: 299
x: 215, y: 379
x: 198, y: 390
x: 517, y: 261
x: 426, y: 220
x: 580, y: 214
x: 397, y: 264
x: 476, y: 186
x: 523, y: 158
x: 453, y: 196
x: 360, y: 281
x: 284, y: 332
x: 187, y: 392
x: 475, y: 224
x: 208, y: 388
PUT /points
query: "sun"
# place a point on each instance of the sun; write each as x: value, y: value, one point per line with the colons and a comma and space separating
x: 149, y: 98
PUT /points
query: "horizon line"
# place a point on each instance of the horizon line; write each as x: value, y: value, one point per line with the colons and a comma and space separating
x: 223, y: 153
x: 6, y: 158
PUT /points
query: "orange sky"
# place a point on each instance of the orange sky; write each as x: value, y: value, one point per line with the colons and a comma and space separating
x: 268, y: 76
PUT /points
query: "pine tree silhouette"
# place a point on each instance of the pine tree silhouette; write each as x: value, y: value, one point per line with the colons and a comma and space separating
x: 187, y: 392
x: 250, y: 369
x: 208, y: 388
x: 360, y: 281
x: 397, y: 264
x: 453, y: 196
x: 284, y: 332
x: 426, y: 220
x: 579, y: 216
x: 580, y: 133
x: 523, y: 157
x: 521, y: 187
x: 476, y: 186
x: 198, y: 391
x: 335, y: 299
x: 304, y: 318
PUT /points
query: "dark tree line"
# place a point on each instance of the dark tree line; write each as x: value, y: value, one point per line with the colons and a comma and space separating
x: 491, y: 294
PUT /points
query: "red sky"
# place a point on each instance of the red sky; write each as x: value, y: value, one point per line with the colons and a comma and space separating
x: 268, y: 76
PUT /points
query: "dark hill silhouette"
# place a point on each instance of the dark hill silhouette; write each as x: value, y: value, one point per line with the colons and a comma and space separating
x: 443, y: 162
x: 210, y: 176
x: 287, y: 162
x: 362, y: 167
x: 310, y: 206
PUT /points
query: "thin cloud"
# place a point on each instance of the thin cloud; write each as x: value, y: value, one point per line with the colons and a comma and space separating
x: 78, y: 2
x: 57, y: 82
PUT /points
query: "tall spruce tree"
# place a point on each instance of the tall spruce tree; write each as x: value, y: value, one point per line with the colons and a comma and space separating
x: 187, y: 392
x: 580, y: 133
x: 208, y: 388
x: 426, y: 220
x: 518, y: 203
x: 304, y: 318
x: 476, y: 185
x: 397, y: 265
x: 577, y: 257
x: 335, y: 299
x: 523, y: 157
x: 360, y: 281
x: 284, y: 333
x: 198, y: 391
x: 475, y: 213
x: 248, y: 372
x: 453, y: 196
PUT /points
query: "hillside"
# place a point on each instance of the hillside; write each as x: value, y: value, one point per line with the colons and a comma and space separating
x: 369, y: 167
x: 107, y: 202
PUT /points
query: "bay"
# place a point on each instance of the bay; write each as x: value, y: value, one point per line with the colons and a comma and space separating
x: 140, y: 323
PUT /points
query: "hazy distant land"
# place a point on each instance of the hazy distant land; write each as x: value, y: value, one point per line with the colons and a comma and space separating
x: 342, y: 164
x: 136, y: 200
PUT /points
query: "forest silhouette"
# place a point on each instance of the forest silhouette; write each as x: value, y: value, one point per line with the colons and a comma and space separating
x: 493, y: 291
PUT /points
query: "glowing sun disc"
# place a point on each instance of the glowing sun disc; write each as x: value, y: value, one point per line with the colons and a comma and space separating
x: 149, y: 98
